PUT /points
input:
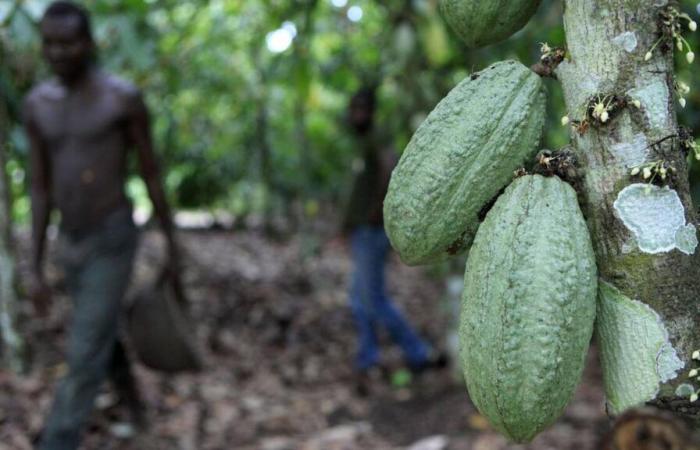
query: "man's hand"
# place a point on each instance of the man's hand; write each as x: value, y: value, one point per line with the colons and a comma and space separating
x: 40, y: 294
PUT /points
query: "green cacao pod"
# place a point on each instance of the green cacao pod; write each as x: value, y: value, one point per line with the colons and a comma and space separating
x: 483, y: 22
x: 460, y: 158
x: 528, y: 306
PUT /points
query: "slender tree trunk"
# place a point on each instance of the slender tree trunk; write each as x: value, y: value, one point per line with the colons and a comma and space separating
x: 303, y: 82
x: 13, y: 347
x: 639, y: 262
x: 265, y: 155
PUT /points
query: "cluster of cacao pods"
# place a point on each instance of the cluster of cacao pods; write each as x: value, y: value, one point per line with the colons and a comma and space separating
x: 529, y: 299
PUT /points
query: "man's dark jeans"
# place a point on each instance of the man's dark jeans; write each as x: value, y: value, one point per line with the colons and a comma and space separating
x: 97, y: 266
x: 372, y: 306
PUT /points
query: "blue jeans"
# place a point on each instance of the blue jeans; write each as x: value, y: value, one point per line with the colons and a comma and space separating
x: 97, y: 269
x: 371, y: 305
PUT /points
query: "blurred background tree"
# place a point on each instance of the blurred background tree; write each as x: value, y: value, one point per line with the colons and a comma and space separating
x: 249, y: 97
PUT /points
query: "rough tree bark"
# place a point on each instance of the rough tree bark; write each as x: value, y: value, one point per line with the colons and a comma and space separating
x: 13, y: 348
x: 607, y: 42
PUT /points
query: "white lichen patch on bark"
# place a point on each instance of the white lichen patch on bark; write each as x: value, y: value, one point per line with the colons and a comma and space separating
x: 667, y: 361
x: 656, y: 218
x: 687, y: 239
x: 685, y: 390
x: 636, y: 354
x: 654, y: 100
x: 632, y: 153
x: 627, y: 40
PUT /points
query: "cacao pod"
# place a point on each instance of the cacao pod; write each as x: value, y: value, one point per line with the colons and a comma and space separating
x: 460, y: 158
x: 528, y: 306
x: 480, y: 23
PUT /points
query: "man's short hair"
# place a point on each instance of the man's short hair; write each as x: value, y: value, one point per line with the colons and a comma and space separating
x: 63, y: 8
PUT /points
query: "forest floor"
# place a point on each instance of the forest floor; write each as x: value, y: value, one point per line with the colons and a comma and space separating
x: 277, y: 338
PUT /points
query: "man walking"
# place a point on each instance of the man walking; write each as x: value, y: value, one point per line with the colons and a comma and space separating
x: 370, y: 303
x: 81, y: 125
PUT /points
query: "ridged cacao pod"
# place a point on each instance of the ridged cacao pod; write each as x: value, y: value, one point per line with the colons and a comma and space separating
x: 460, y: 158
x: 528, y: 306
x: 483, y: 22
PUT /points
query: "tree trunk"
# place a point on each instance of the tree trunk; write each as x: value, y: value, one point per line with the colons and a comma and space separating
x: 645, y: 237
x: 13, y: 348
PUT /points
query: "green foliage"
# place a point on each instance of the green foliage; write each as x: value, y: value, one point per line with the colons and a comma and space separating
x: 242, y: 128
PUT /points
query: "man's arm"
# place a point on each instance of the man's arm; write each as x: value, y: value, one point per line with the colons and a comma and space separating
x: 41, y: 207
x: 139, y: 129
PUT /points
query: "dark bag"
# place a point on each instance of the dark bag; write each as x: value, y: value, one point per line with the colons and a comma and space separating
x: 158, y: 330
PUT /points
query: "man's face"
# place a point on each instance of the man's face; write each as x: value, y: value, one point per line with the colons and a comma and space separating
x: 65, y: 46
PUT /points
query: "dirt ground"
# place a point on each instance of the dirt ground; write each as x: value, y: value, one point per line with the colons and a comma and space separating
x: 272, y: 322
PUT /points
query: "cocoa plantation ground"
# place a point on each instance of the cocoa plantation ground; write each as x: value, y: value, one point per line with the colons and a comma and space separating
x: 278, y: 341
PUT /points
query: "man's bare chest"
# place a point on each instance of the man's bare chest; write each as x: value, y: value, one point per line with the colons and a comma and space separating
x: 86, y: 118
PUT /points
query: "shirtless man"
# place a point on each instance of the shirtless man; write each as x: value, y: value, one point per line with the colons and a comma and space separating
x: 81, y: 126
